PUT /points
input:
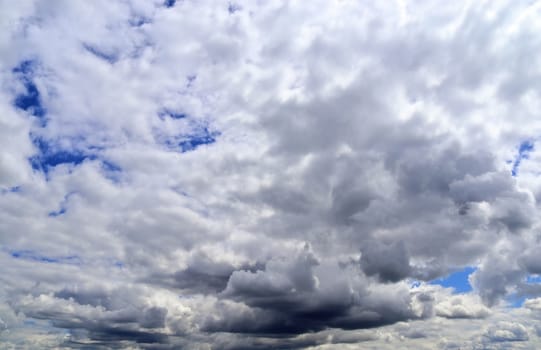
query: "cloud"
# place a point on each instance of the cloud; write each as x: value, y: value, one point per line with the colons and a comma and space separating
x: 507, y: 332
x: 193, y: 174
x: 461, y: 306
x: 299, y: 295
x: 389, y: 262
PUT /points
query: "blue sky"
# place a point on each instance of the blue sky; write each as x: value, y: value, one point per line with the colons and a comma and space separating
x: 457, y: 280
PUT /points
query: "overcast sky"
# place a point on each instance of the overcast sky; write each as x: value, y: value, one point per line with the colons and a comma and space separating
x: 322, y: 174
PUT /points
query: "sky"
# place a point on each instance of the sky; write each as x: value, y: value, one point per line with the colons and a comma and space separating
x: 224, y: 175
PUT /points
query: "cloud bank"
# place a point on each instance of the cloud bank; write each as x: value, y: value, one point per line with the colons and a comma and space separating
x: 270, y: 174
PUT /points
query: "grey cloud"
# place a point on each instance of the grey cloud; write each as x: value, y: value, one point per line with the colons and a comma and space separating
x: 485, y: 187
x: 512, y: 208
x: 202, y: 275
x: 296, y: 295
x: 436, y: 173
x: 200, y: 281
x: 153, y: 317
x: 381, y: 134
x: 348, y: 200
x: 324, y: 338
x: 279, y: 278
x: 531, y: 260
x: 507, y: 332
x: 497, y: 275
x: 287, y: 199
x: 94, y: 296
x: 389, y: 262
x: 514, y: 213
x: 105, y: 316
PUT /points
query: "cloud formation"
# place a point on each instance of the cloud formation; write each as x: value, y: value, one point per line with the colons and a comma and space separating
x: 269, y: 175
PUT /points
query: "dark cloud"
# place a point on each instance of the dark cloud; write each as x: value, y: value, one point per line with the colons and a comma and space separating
x: 389, y: 262
x: 531, y: 260
x: 103, y: 316
x: 202, y: 275
x: 290, y: 297
x: 496, y: 276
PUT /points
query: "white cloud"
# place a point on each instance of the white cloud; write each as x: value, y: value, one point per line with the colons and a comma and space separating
x: 194, y: 175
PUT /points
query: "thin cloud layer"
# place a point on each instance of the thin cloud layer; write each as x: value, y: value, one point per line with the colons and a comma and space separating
x: 269, y: 175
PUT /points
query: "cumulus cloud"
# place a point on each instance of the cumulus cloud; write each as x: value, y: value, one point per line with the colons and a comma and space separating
x: 244, y: 175
x: 389, y: 262
x: 507, y: 332
x: 461, y: 306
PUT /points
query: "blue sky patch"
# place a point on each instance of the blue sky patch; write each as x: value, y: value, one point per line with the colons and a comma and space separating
x: 25, y: 68
x: 203, y: 137
x: 13, y: 189
x: 415, y: 284
x: 59, y: 212
x: 172, y: 114
x: 101, y: 54
x: 111, y: 171
x: 169, y: 3
x: 515, y: 300
x: 49, y: 157
x: 45, y: 161
x: 34, y: 256
x: 533, y: 279
x: 110, y: 167
x: 199, y: 133
x: 52, y: 159
x: 63, y: 206
x: 457, y: 280
x: 30, y: 100
x: 139, y: 21
x: 524, y: 150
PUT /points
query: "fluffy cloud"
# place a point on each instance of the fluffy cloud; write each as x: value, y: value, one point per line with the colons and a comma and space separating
x: 258, y: 175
